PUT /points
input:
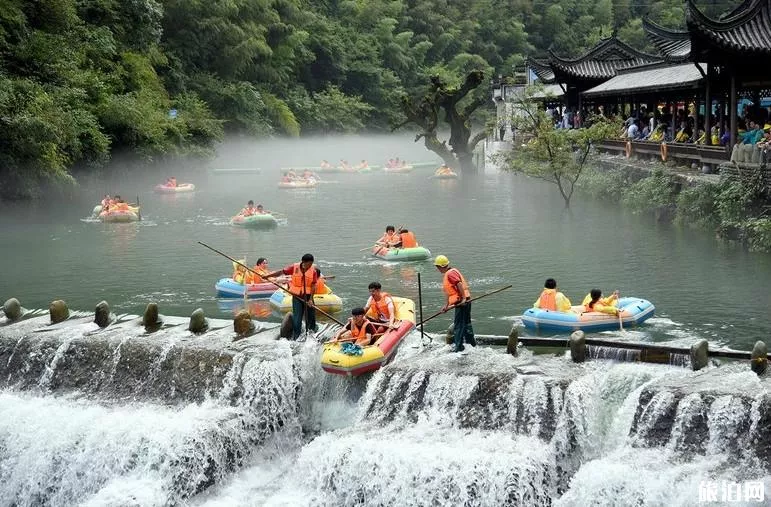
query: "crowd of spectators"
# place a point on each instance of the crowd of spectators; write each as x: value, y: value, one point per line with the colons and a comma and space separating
x: 684, y: 125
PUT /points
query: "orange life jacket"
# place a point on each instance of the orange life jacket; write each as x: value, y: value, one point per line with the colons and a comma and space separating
x: 548, y: 300
x: 304, y: 283
x: 359, y: 333
x: 388, y: 238
x: 408, y: 240
x: 452, y: 293
x: 254, y: 276
x: 381, y: 307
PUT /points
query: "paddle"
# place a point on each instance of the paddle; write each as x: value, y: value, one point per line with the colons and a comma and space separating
x: 420, y: 303
x: 620, y: 318
x: 139, y: 210
x: 437, y: 314
x: 306, y: 303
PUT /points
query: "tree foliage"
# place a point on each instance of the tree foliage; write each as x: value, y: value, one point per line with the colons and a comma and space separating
x: 82, y: 78
x: 558, y: 156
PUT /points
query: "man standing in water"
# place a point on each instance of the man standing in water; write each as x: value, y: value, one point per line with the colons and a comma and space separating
x: 459, y: 297
x: 303, y: 284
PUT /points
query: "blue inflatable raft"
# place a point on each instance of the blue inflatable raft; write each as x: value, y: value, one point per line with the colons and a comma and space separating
x: 633, y: 311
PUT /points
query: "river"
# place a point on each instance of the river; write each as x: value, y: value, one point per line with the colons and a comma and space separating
x: 498, y: 228
x: 119, y: 417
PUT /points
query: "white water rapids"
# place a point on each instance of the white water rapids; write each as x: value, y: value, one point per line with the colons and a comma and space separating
x: 432, y: 429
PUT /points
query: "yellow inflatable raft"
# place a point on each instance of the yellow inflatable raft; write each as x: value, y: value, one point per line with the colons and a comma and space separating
x: 333, y: 360
x: 329, y: 302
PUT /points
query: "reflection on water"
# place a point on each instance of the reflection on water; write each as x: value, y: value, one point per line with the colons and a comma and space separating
x: 258, y: 308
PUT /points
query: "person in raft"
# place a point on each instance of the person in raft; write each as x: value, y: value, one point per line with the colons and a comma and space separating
x: 249, y: 210
x: 305, y: 281
x: 388, y: 238
x: 257, y: 273
x: 594, y: 302
x: 551, y: 299
x: 406, y: 239
x: 459, y: 297
x: 380, y: 307
x: 358, y: 329
x: 171, y: 182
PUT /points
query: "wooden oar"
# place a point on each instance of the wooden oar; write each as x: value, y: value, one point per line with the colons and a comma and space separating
x: 420, y: 303
x: 306, y: 303
x: 437, y: 314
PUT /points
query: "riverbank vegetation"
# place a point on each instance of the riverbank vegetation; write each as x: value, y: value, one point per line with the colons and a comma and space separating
x: 735, y: 208
x: 82, y: 79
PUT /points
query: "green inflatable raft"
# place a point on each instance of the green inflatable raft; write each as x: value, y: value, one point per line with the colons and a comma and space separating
x: 417, y: 253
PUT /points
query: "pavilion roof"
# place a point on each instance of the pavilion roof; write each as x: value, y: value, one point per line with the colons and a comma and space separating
x: 674, y: 45
x: 653, y: 79
x: 746, y: 29
x: 601, y: 62
x: 541, y: 69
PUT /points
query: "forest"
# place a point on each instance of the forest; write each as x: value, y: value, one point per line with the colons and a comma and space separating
x: 82, y: 80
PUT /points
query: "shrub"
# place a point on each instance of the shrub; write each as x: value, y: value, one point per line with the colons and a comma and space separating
x: 656, y: 193
x: 696, y: 206
x: 604, y: 185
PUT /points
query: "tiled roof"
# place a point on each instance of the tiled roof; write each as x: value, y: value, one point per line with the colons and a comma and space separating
x: 541, y: 69
x: 673, y: 44
x: 746, y: 29
x: 601, y: 62
x: 653, y: 79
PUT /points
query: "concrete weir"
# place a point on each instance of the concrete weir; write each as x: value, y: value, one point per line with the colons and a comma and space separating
x: 127, y: 357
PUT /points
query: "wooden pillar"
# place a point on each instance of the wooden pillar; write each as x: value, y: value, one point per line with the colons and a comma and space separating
x: 579, y: 112
x: 707, y: 109
x: 732, y: 109
x: 721, y: 113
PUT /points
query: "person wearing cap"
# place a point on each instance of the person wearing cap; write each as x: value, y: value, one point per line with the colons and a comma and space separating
x: 458, y: 297
x: 303, y: 284
x: 358, y: 329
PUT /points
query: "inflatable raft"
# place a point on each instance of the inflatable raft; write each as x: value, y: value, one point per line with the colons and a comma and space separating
x: 333, y: 360
x: 281, y: 300
x: 114, y: 216
x: 417, y: 253
x: 633, y: 311
x: 179, y: 189
x: 309, y: 183
x: 402, y: 169
x: 445, y: 176
x: 254, y: 221
x: 229, y: 288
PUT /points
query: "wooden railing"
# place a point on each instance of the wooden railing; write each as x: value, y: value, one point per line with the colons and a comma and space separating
x: 679, y: 151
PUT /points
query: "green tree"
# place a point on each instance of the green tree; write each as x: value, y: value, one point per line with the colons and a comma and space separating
x: 444, y: 99
x: 558, y: 156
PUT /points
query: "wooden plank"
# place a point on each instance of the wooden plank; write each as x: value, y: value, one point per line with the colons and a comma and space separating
x: 649, y: 350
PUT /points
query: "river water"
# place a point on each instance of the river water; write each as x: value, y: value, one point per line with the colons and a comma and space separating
x: 432, y: 428
x: 497, y: 228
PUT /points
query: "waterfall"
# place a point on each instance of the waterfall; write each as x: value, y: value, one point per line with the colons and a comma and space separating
x: 121, y: 418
